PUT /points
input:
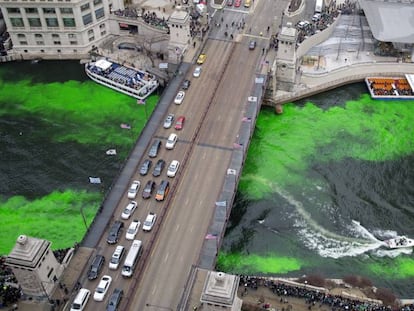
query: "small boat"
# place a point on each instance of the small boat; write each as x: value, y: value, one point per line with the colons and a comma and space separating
x: 391, y: 87
x: 125, y: 126
x: 399, y: 242
x: 111, y: 152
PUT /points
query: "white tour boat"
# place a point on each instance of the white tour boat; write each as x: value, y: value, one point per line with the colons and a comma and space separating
x: 130, y: 81
x: 399, y: 242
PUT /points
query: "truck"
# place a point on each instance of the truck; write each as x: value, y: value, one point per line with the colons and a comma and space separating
x: 318, y: 6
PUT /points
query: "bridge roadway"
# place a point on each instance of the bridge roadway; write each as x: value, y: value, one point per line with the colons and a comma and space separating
x: 214, y: 107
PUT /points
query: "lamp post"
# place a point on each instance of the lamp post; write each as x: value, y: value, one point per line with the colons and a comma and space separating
x: 83, y: 217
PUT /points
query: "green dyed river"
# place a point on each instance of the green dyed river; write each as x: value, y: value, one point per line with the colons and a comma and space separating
x: 322, y: 186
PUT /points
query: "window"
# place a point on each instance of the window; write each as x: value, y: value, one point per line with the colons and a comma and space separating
x: 87, y: 19
x: 69, y: 22
x: 23, y: 42
x: 102, y: 26
x: 91, y: 39
x: 71, y: 35
x: 13, y: 10
x: 31, y: 10
x: 56, y: 43
x: 66, y: 10
x: 52, y: 22
x: 49, y: 10
x: 103, y: 33
x: 90, y: 32
x: 34, y: 22
x: 16, y: 22
x: 20, y: 35
x: 42, y: 51
x: 55, y: 35
x: 38, y: 35
x: 40, y: 43
x: 84, y: 7
x: 96, y: 2
x: 50, y: 273
x: 99, y: 13
x: 73, y: 42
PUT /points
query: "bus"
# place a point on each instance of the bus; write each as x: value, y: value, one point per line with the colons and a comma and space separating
x: 132, y: 258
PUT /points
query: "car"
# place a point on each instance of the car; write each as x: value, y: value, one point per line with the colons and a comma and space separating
x: 237, y: 3
x: 114, y: 232
x: 180, y: 123
x: 229, y: 2
x: 133, y: 189
x: 132, y: 229
x: 149, y: 222
x: 116, y: 257
x: 186, y: 84
x: 129, y: 210
x: 303, y: 24
x: 316, y: 17
x: 173, y: 168
x: 179, y: 98
x: 169, y: 121
x: 162, y: 191
x: 158, y: 168
x: 148, y: 189
x: 155, y: 147
x: 197, y: 72
x: 145, y: 167
x: 115, y: 300
x: 172, y: 139
x: 102, y: 288
x: 201, y: 58
x: 252, y: 45
x: 96, y: 267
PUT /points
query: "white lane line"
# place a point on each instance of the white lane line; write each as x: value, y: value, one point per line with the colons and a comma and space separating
x: 166, y: 257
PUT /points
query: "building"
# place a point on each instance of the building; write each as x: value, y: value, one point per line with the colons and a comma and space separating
x: 53, y: 28
x: 35, y: 266
x: 286, y: 59
x: 179, y: 24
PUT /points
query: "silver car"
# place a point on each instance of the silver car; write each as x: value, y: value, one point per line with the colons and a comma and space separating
x: 169, y: 120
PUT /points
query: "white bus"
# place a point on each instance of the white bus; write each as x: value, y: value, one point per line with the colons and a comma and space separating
x: 132, y: 258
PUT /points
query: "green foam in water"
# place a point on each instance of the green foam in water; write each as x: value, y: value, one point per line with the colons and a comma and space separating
x: 253, y: 264
x: 56, y: 217
x: 284, y: 146
x: 398, y: 268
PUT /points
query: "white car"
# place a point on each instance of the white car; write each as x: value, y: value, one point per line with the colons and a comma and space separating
x: 172, y: 139
x: 149, y: 222
x: 132, y: 229
x: 129, y: 209
x: 197, y: 72
x: 173, y: 168
x: 133, y: 189
x: 116, y: 257
x: 169, y: 121
x: 179, y: 98
x: 102, y: 288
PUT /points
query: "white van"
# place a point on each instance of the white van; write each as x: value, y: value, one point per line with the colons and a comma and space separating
x: 81, y: 300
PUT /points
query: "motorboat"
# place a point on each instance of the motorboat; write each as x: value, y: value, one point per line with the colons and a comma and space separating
x: 399, y: 242
x: 122, y: 78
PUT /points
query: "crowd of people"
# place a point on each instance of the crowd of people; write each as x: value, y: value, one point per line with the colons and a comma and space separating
x: 390, y: 87
x: 10, y: 292
x: 314, y: 297
x: 150, y: 18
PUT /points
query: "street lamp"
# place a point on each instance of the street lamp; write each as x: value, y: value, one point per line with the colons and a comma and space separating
x: 83, y: 217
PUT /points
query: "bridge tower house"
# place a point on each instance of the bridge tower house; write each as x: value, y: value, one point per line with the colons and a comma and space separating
x: 179, y: 24
x: 286, y: 59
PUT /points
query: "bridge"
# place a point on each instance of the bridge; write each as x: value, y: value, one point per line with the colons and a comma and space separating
x: 220, y: 107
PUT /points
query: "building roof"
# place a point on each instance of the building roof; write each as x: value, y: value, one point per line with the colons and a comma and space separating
x: 390, y: 21
x: 220, y: 289
x: 103, y: 64
x: 27, y: 252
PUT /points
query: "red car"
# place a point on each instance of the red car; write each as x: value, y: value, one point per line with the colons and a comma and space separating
x: 237, y: 3
x: 180, y: 123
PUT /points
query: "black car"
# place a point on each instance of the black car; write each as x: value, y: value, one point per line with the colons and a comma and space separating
x: 114, y: 232
x: 186, y: 84
x: 145, y: 167
x: 96, y: 267
x: 148, y: 189
x: 153, y: 152
x: 114, y: 300
x: 158, y: 168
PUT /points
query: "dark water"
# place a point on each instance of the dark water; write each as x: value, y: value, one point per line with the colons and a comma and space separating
x: 323, y: 183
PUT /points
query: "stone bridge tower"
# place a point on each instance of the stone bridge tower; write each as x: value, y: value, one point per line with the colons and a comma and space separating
x: 286, y: 60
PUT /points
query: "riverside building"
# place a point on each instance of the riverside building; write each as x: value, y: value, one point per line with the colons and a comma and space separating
x: 63, y: 28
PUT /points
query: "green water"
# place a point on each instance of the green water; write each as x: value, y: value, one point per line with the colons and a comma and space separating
x: 54, y: 135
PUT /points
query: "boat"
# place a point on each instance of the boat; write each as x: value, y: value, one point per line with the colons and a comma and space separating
x: 391, y: 87
x: 111, y: 152
x: 399, y: 242
x: 122, y: 78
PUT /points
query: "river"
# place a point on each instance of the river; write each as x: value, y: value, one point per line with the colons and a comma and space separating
x: 323, y: 183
